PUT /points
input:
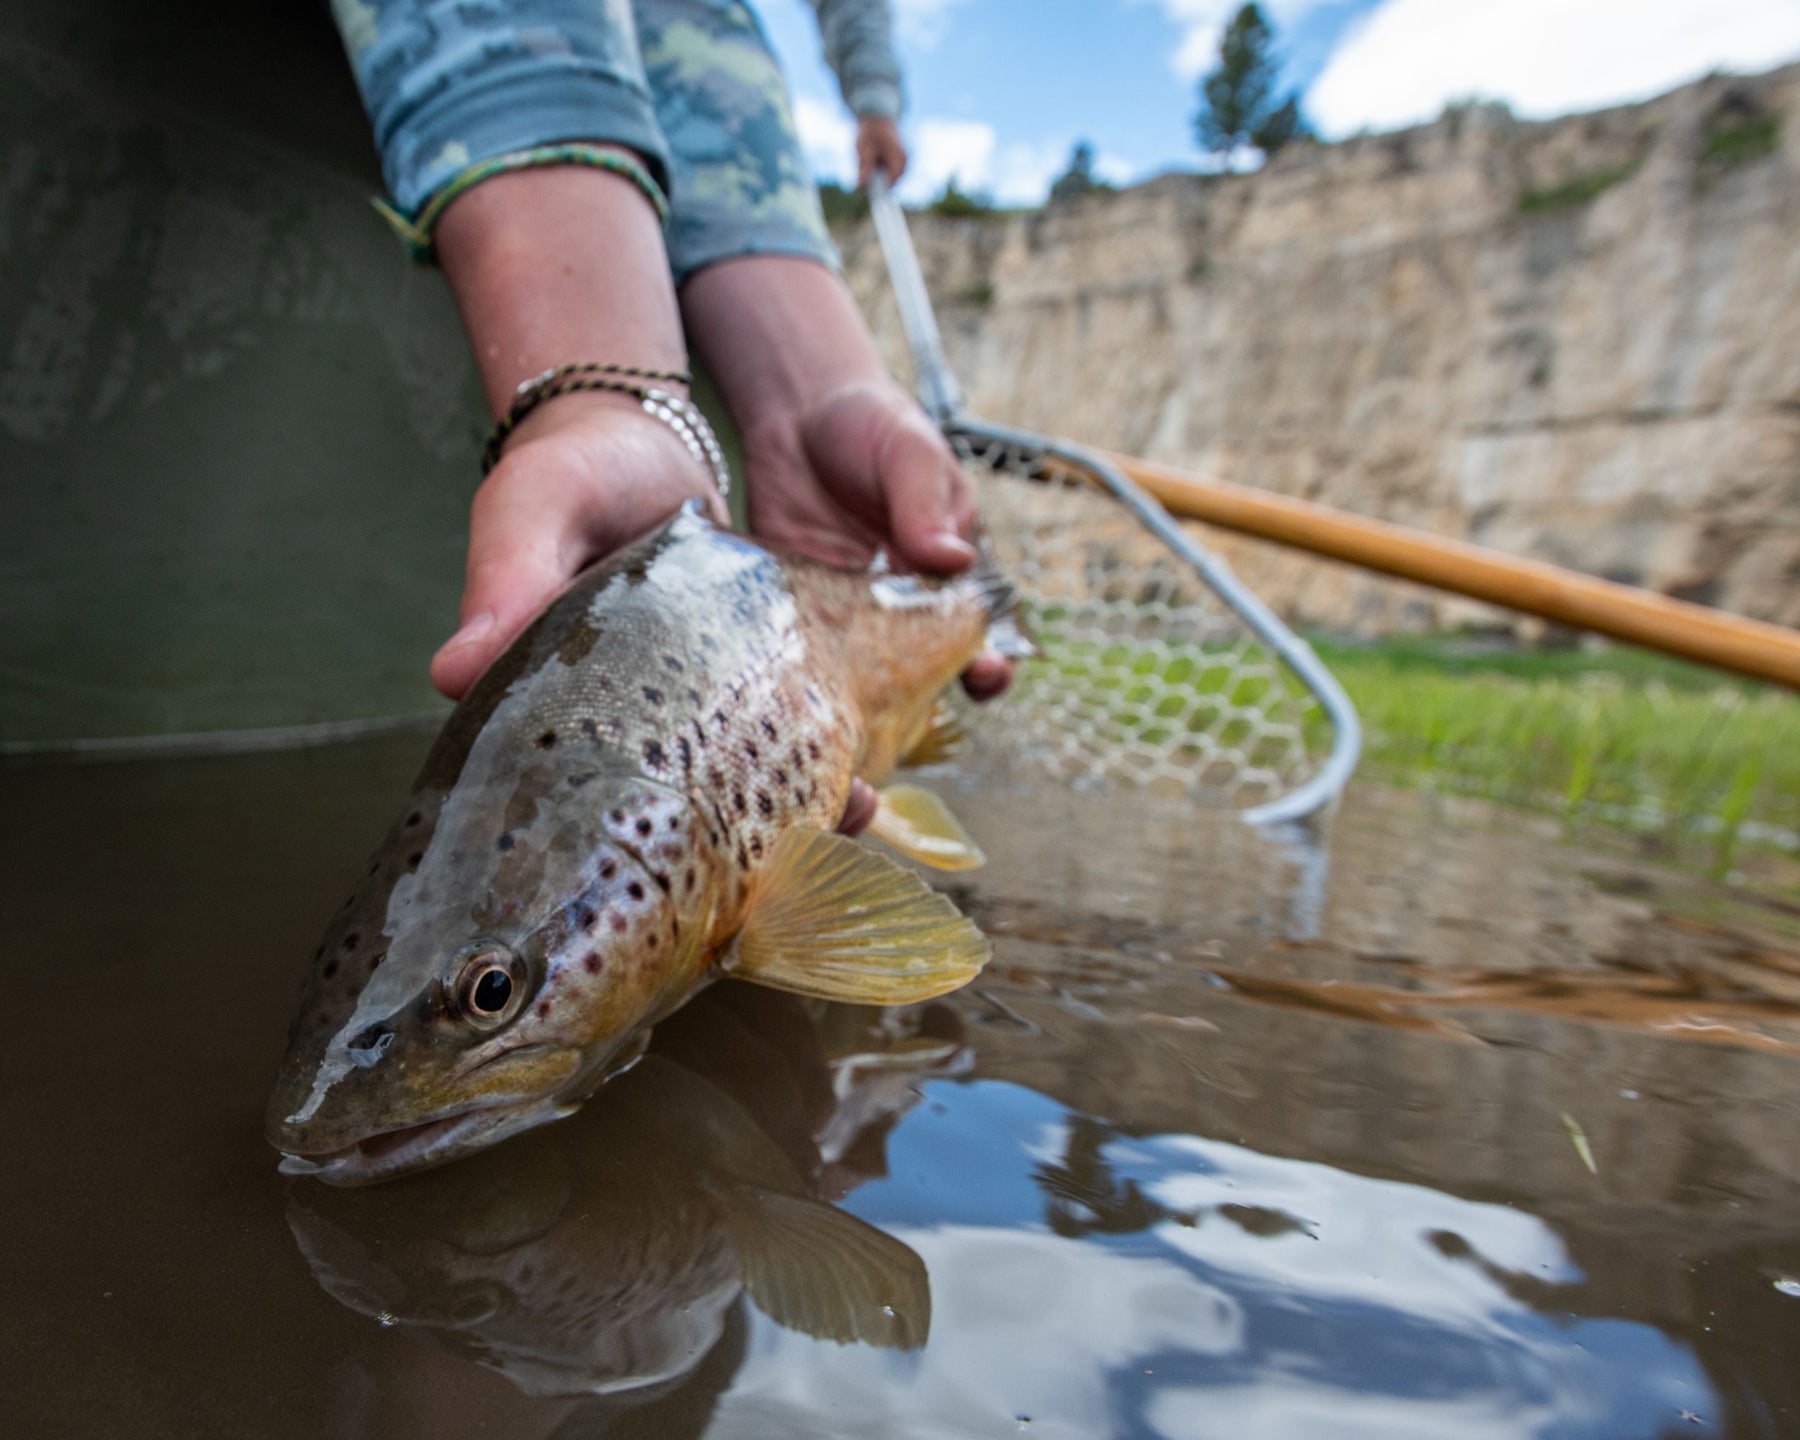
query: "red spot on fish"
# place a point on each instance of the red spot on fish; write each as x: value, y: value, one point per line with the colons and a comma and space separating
x: 591, y: 963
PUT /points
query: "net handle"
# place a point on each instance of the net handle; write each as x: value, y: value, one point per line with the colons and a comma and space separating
x: 942, y: 399
x: 937, y: 386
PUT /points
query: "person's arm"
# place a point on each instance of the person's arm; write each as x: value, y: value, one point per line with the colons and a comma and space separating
x: 858, y: 36
x: 551, y: 266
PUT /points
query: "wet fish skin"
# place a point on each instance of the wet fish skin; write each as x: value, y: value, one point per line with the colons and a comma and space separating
x: 593, y: 824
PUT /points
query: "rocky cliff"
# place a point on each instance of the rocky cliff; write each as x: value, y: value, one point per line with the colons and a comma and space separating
x: 1577, y: 340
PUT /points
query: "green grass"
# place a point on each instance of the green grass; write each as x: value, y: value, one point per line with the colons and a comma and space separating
x: 1572, y: 194
x: 1736, y: 142
x: 1620, y: 738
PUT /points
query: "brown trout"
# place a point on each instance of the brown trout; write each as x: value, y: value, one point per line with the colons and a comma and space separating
x: 637, y: 797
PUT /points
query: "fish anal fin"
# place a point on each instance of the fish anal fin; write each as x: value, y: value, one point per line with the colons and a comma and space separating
x: 821, y: 1271
x: 833, y: 919
x: 918, y: 824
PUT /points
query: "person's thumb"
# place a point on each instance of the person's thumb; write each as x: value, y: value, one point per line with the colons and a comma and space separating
x: 927, y: 499
x: 519, y: 557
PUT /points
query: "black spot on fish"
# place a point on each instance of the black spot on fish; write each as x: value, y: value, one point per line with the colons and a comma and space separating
x: 607, y: 869
x: 743, y: 857
x: 590, y: 729
x: 635, y: 890
x: 412, y: 860
x: 751, y: 750
x: 673, y: 664
x: 330, y: 969
x: 543, y: 1009
x: 413, y: 819
x: 546, y: 740
x: 654, y: 696
x: 812, y: 748
x: 756, y: 846
x: 699, y: 734
x: 693, y: 696
x: 799, y: 796
x: 737, y: 799
x: 662, y: 881
x: 764, y: 805
x: 719, y: 719
x: 350, y: 940
x: 585, y: 918
x: 780, y: 776
x: 687, y: 881
x: 644, y: 827
x: 654, y: 756
x: 577, y: 781
x: 768, y: 727
x: 616, y: 816
x: 374, y: 867
x: 591, y: 964
x: 674, y: 822
x: 687, y: 754
x: 652, y: 941
x: 505, y: 842
x: 799, y: 758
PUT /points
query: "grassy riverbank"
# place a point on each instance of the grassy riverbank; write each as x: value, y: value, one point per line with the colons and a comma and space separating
x: 1617, y: 737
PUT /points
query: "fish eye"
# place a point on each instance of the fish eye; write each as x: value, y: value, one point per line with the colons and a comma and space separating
x: 489, y: 988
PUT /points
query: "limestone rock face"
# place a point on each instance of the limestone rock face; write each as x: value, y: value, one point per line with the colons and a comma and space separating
x: 1577, y: 340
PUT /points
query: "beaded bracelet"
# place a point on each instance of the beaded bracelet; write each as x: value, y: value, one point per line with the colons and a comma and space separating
x: 679, y: 414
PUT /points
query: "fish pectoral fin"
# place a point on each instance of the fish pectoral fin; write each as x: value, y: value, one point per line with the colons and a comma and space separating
x: 916, y: 823
x: 943, y: 737
x: 832, y: 919
x: 816, y: 1269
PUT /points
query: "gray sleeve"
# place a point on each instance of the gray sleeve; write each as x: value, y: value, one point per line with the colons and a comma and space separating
x: 859, y: 47
x: 451, y: 83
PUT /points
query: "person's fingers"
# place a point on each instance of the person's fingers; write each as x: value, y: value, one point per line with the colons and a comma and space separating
x: 988, y: 675
x: 523, y: 547
x: 859, y: 808
x: 895, y: 161
x: 926, y: 497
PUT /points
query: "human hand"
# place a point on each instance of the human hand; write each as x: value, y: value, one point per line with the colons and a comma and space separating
x: 582, y: 476
x: 859, y: 469
x: 878, y: 145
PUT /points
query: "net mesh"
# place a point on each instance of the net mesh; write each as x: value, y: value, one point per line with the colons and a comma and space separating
x: 1146, y: 676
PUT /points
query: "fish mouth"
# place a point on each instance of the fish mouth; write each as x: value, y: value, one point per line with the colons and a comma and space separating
x: 384, y: 1154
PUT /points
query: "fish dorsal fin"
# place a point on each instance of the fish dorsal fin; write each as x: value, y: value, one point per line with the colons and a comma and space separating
x: 816, y: 1269
x: 832, y: 919
x: 943, y: 737
x: 916, y: 823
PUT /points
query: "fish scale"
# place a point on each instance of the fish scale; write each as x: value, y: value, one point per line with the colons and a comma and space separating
x: 639, y: 792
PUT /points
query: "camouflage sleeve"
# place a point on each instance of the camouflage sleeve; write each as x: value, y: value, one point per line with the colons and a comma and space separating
x: 859, y: 47
x: 452, y: 86
x: 739, y: 180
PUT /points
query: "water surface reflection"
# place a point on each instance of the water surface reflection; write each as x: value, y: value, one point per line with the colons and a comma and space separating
x: 1191, y: 1160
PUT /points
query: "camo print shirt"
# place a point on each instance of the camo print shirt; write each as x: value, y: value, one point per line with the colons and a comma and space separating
x: 458, y: 89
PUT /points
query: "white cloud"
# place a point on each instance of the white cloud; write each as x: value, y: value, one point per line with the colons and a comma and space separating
x: 1409, y: 58
x: 828, y: 138
x: 920, y: 24
x: 944, y: 148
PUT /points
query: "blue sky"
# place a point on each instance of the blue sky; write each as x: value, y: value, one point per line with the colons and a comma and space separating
x: 1001, y: 89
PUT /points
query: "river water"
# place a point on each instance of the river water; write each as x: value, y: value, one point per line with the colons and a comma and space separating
x: 1445, y: 1129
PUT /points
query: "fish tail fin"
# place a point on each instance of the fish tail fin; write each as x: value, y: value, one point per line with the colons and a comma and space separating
x: 1007, y: 631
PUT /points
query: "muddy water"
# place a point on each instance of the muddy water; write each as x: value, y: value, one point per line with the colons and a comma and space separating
x: 1455, y: 1131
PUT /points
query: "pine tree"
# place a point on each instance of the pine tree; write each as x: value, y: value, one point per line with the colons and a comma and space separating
x: 1078, y: 178
x: 1237, y: 98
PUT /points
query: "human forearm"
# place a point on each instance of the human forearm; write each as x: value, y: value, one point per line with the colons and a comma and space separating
x: 556, y: 266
